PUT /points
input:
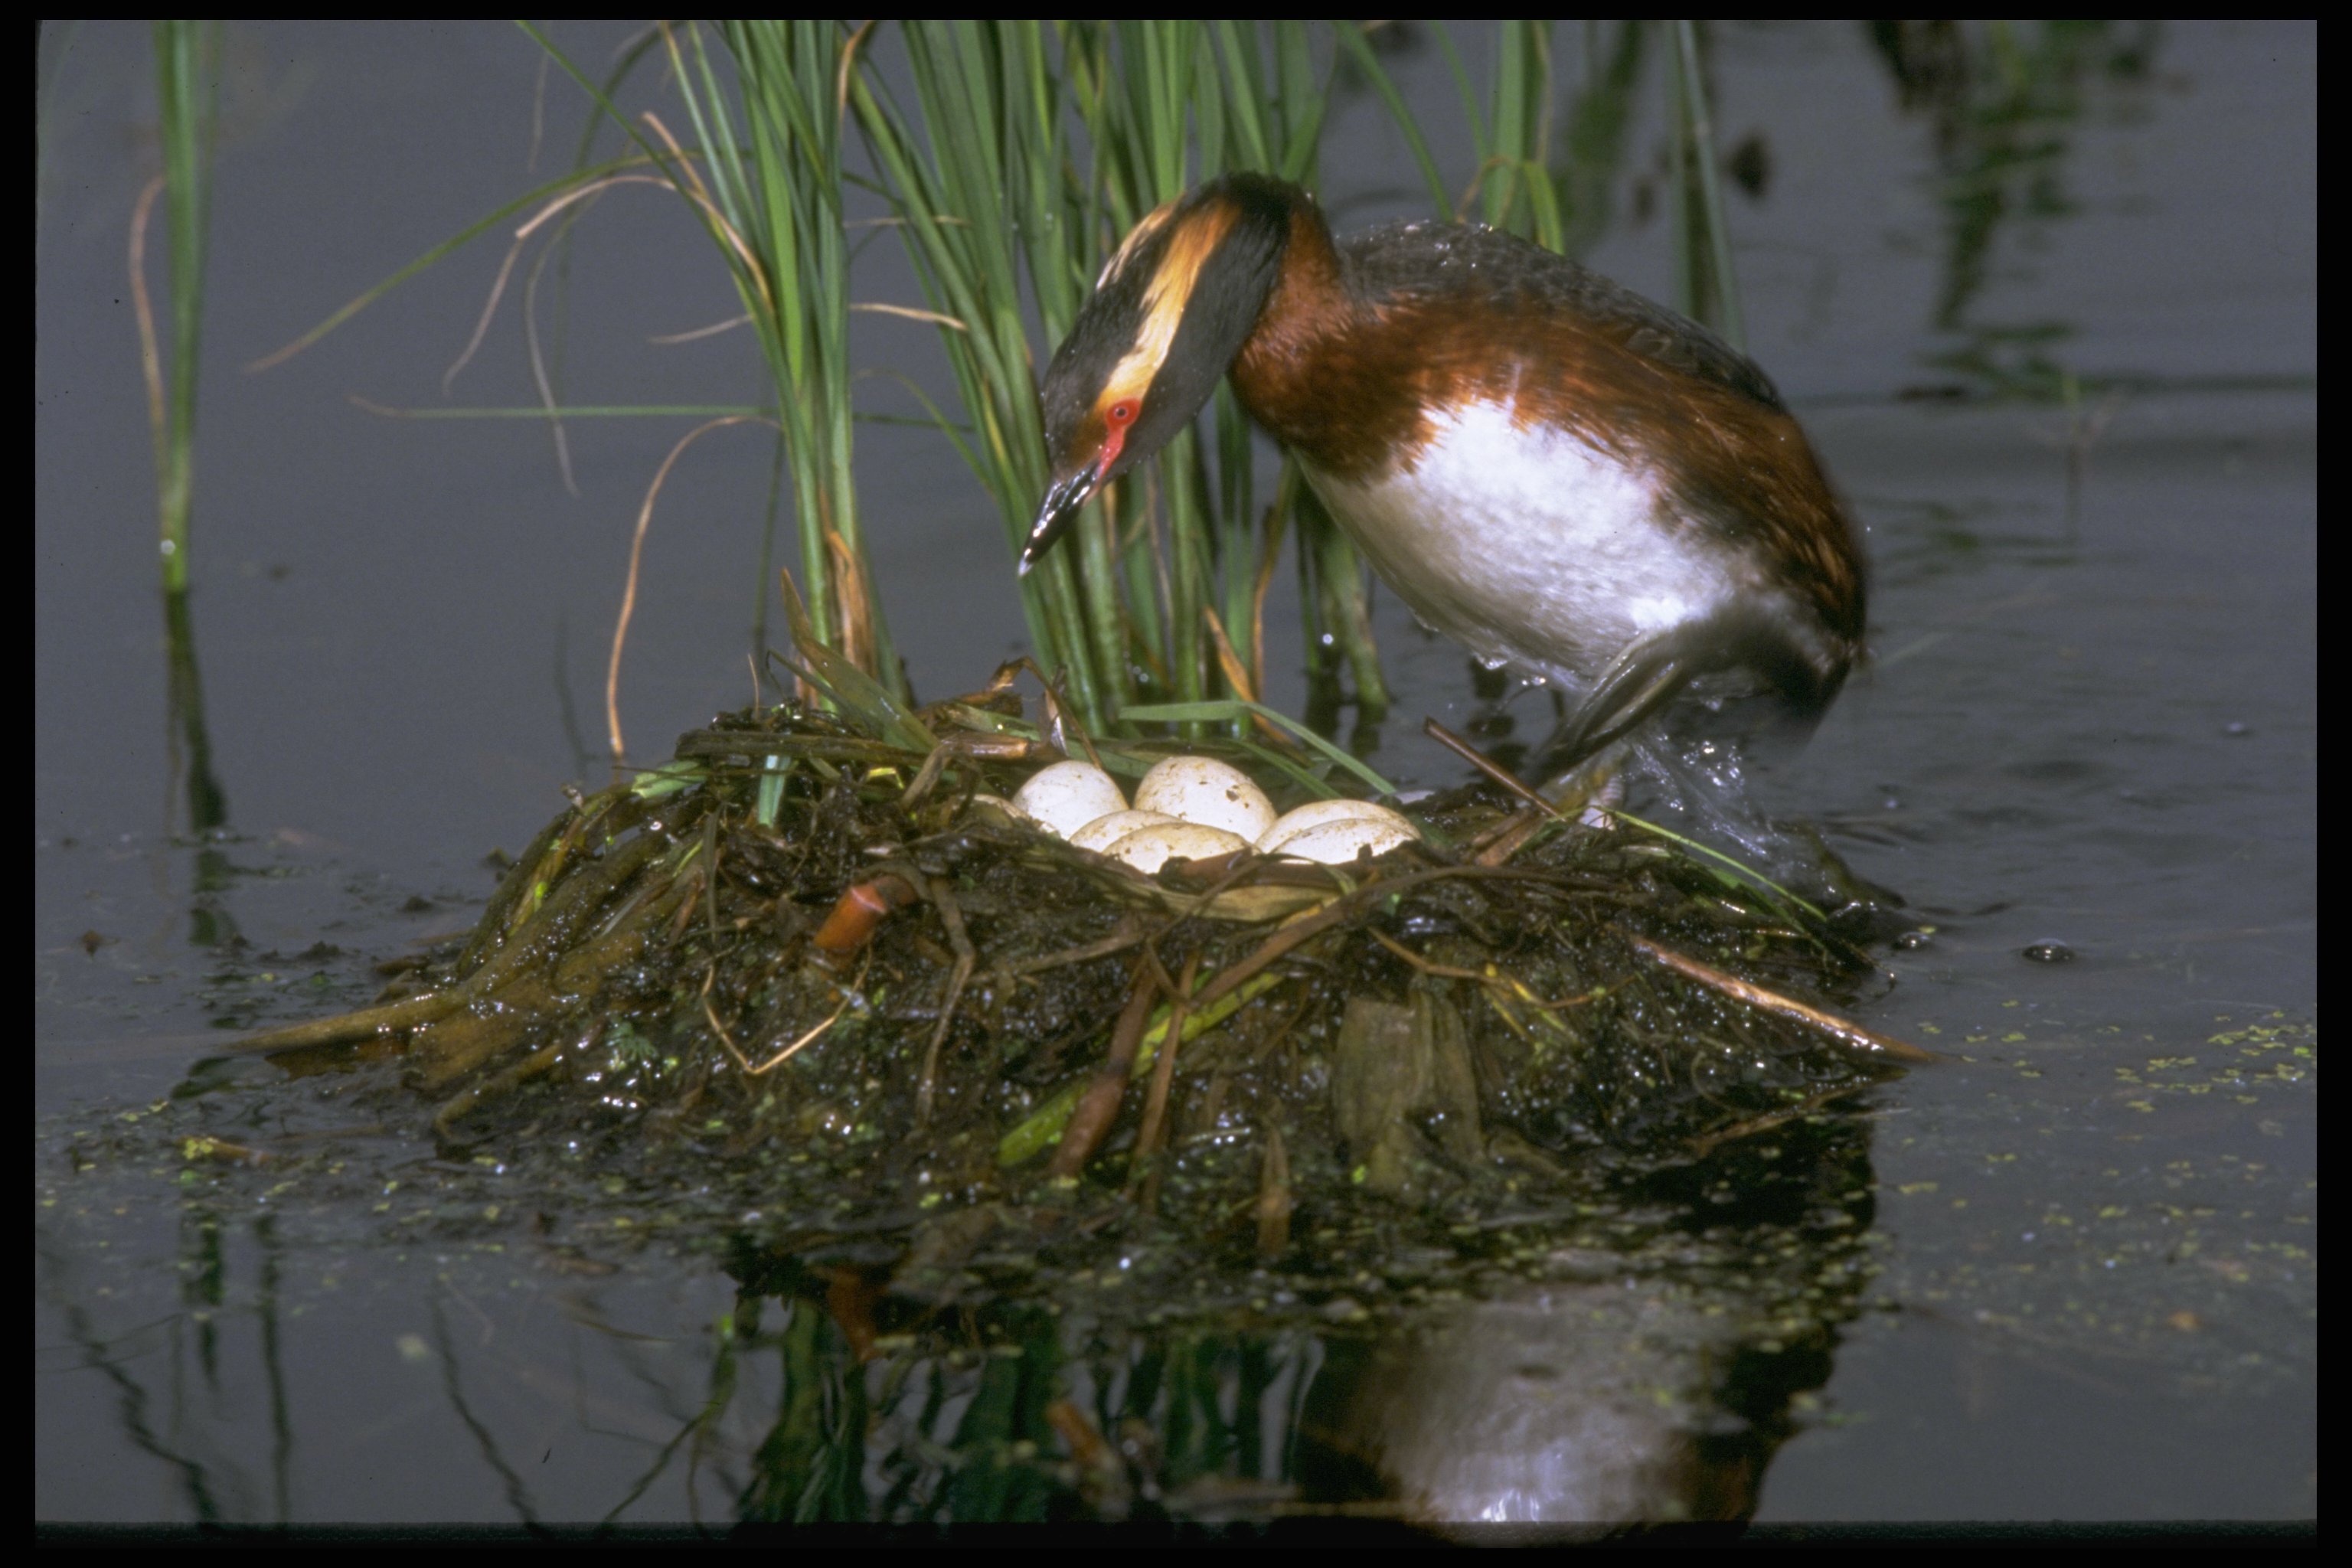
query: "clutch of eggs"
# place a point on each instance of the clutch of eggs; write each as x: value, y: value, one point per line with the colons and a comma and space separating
x: 1195, y: 809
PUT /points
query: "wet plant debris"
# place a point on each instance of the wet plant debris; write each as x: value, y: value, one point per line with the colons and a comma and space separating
x: 818, y: 961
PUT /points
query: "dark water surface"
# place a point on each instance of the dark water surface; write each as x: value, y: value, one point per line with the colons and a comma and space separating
x: 2091, y: 724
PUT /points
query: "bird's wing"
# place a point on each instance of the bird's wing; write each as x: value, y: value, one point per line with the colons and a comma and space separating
x: 1430, y: 261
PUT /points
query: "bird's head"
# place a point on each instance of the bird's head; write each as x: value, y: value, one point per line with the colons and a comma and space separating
x: 1169, y: 312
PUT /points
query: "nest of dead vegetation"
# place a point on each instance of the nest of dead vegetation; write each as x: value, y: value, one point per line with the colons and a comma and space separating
x: 806, y: 958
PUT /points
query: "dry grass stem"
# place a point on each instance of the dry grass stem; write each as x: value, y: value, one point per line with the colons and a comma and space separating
x: 952, y: 918
x: 848, y: 994
x: 636, y: 558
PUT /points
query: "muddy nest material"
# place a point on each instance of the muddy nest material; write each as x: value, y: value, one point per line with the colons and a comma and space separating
x: 805, y: 952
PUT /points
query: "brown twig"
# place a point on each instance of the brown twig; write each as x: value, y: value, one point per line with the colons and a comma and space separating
x: 1497, y: 845
x: 1164, y: 1074
x: 1508, y: 836
x: 1477, y: 759
x: 1492, y: 979
x: 952, y: 917
x: 1709, y: 1142
x: 1098, y: 1108
x: 1129, y: 933
x: 1225, y: 872
x: 849, y: 993
x: 1331, y: 914
x: 1789, y: 1007
x: 1446, y: 971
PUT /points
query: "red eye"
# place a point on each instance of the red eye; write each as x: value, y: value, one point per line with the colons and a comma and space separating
x: 1121, y: 414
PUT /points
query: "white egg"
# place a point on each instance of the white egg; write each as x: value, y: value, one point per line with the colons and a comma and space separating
x: 1105, y: 831
x: 1066, y: 797
x: 1149, y: 849
x: 1210, y: 793
x: 1316, y: 813
x: 1336, y: 843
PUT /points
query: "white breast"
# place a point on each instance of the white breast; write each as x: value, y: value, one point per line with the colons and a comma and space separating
x: 1529, y: 546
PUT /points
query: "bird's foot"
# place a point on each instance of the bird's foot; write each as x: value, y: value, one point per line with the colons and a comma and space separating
x: 1589, y: 789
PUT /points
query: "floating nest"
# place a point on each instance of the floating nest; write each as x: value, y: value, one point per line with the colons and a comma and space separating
x: 809, y: 962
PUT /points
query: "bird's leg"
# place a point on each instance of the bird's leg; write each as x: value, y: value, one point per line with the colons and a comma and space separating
x: 1588, y: 789
x: 1644, y: 678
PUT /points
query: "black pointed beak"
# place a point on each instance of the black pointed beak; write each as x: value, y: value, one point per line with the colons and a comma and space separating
x: 1063, y: 496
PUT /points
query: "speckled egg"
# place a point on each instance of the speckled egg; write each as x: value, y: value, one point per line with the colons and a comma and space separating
x: 1149, y: 848
x: 1105, y: 831
x: 1316, y: 813
x: 1338, y: 842
x: 1208, y: 792
x: 1066, y: 796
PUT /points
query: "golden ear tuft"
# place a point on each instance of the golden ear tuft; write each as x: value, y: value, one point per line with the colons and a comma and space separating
x: 1137, y: 238
x: 1189, y: 246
